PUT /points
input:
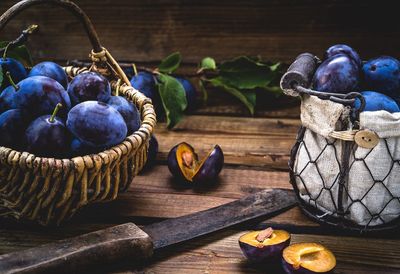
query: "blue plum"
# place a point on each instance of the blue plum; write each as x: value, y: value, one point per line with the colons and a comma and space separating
x: 7, y: 99
x: 16, y: 69
x: 47, y: 136
x: 382, y: 74
x: 39, y: 95
x: 12, y: 127
x: 338, y: 74
x: 97, y: 124
x: 146, y: 84
x: 190, y: 92
x: 51, y: 70
x: 128, y: 111
x: 89, y: 86
x: 152, y: 152
x: 80, y: 148
x: 375, y: 101
x: 345, y: 49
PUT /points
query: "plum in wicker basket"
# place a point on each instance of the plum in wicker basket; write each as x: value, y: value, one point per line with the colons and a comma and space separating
x: 49, y: 190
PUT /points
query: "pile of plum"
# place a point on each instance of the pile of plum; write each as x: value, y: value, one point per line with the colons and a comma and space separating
x: 45, y: 114
x: 378, y: 79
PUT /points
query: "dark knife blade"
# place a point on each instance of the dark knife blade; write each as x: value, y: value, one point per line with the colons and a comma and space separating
x: 187, y: 227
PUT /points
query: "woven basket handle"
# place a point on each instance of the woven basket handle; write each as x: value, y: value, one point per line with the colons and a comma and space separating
x: 68, y: 5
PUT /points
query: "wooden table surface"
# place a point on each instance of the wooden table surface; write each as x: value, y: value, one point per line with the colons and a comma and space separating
x: 256, y: 152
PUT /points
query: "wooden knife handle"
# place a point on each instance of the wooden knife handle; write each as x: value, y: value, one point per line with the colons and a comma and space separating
x: 122, y: 242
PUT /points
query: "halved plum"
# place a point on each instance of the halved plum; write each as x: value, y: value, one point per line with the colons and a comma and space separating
x: 183, y: 162
x: 308, y: 258
x: 264, y: 245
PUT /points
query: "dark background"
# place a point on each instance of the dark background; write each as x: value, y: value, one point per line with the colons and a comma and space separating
x: 146, y: 31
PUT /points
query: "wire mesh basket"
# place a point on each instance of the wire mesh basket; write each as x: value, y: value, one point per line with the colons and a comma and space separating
x: 345, y: 164
x: 48, y: 190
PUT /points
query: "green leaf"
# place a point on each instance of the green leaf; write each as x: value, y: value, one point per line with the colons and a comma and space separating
x: 170, y: 63
x: 173, y: 98
x: 245, y: 73
x: 248, y: 98
x: 20, y: 53
x: 208, y: 63
x: 274, y: 67
x: 1, y: 75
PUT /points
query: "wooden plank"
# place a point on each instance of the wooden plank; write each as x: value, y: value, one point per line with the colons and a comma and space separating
x: 220, y: 253
x: 239, y: 149
x: 279, y: 30
x: 234, y: 125
x: 156, y: 194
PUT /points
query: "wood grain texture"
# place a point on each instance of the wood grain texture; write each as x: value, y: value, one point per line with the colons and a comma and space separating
x: 261, y: 142
x: 221, y: 254
x: 278, y: 30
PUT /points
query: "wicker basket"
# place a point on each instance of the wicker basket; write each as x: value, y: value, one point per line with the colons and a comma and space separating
x: 48, y: 190
x: 344, y: 166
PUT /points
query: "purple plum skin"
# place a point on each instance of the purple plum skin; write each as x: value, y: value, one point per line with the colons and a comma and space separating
x: 89, y: 86
x: 375, y: 101
x: 79, y: 148
x: 97, y: 124
x: 289, y: 269
x: 211, y: 167
x: 7, y: 99
x: 16, y: 69
x: 39, y: 95
x: 207, y: 173
x: 173, y: 165
x: 265, y: 253
x: 190, y: 92
x: 146, y: 84
x: 344, y: 49
x: 338, y: 74
x: 51, y: 70
x: 12, y: 127
x: 382, y: 74
x: 128, y: 111
x: 153, y: 150
x: 47, y: 139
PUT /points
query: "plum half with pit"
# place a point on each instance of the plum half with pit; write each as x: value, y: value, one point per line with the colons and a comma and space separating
x: 264, y: 245
x: 12, y: 127
x: 89, y: 86
x: 129, y: 112
x: 382, y: 74
x: 344, y: 49
x: 47, y: 136
x: 51, y: 70
x: 39, y: 95
x: 16, y: 70
x: 184, y: 163
x: 338, y: 74
x: 375, y: 101
x: 307, y: 258
x: 97, y: 124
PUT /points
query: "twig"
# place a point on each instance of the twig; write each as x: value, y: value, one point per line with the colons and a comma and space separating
x: 197, y: 74
x: 21, y: 39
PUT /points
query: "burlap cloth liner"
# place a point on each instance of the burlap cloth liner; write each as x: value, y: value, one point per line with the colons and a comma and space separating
x: 372, y: 186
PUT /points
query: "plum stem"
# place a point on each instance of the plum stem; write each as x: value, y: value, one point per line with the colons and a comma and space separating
x: 134, y: 69
x: 10, y: 79
x: 56, y: 109
x: 6, y: 51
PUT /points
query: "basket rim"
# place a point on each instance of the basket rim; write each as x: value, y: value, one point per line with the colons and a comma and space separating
x: 148, y: 122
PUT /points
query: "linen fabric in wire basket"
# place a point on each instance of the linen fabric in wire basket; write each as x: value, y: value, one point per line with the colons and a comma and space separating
x: 345, y: 174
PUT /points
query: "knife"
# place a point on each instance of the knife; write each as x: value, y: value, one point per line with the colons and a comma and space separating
x: 129, y: 242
